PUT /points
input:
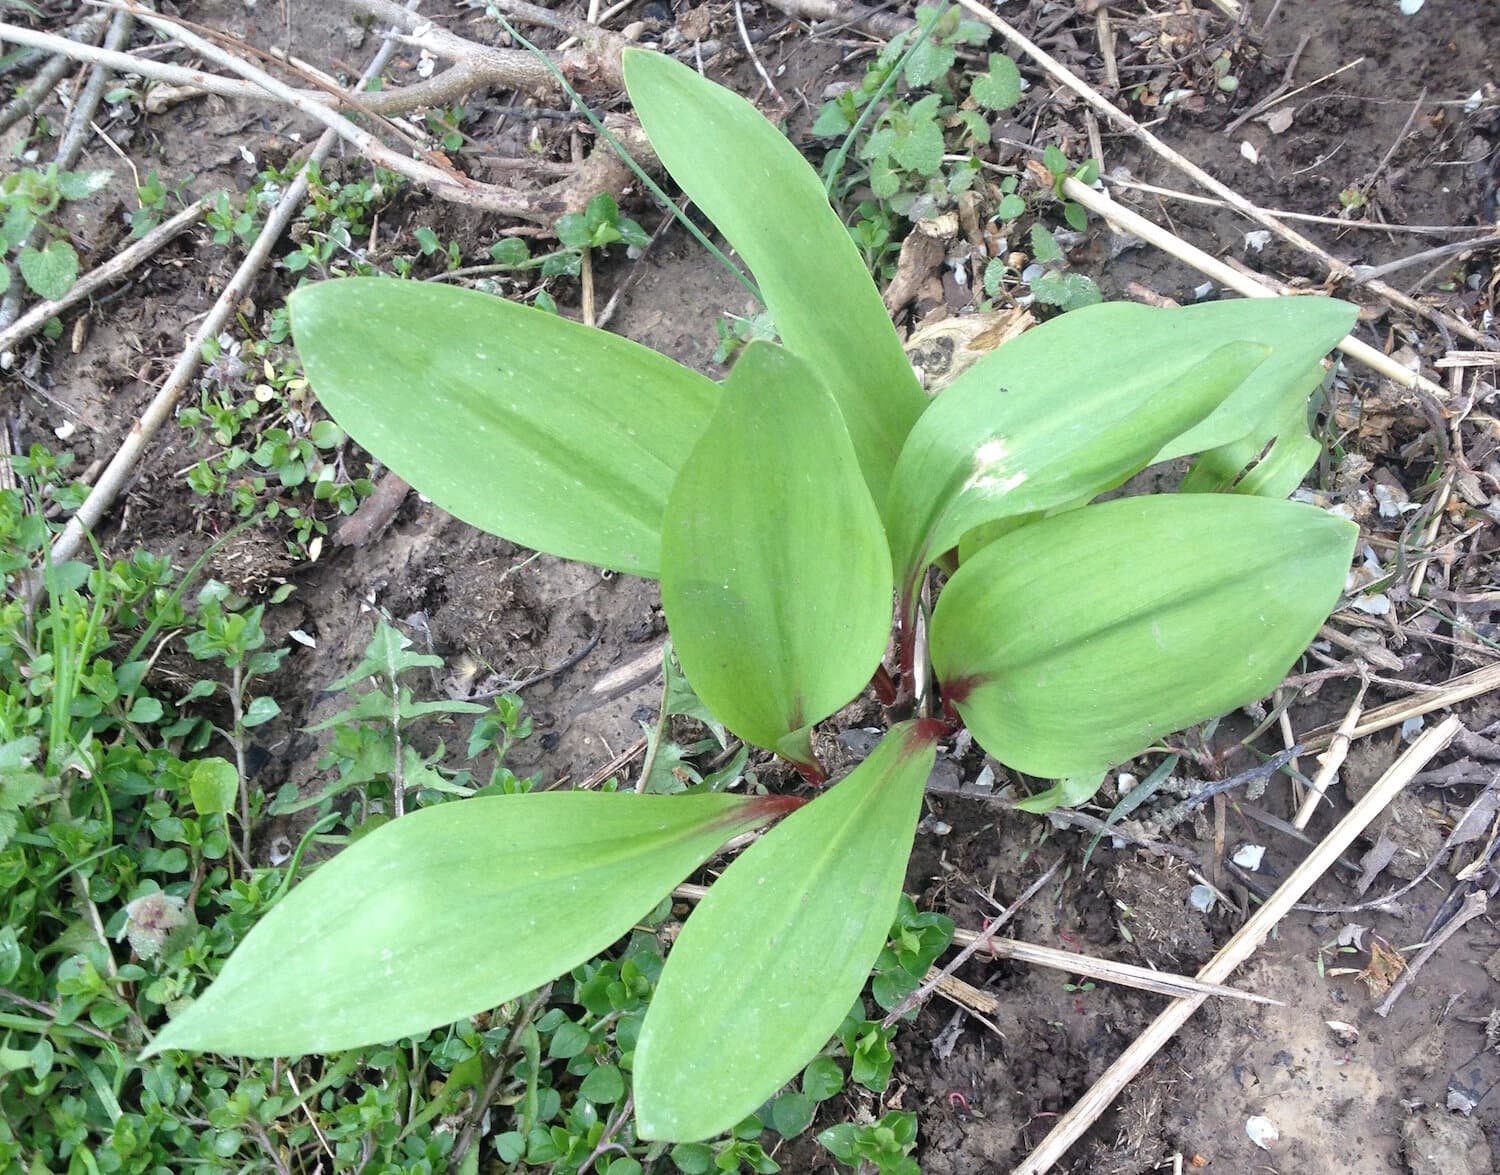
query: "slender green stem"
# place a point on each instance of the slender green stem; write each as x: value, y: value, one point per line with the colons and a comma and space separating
x: 835, y: 163
x: 619, y: 149
x: 151, y: 629
x: 237, y: 741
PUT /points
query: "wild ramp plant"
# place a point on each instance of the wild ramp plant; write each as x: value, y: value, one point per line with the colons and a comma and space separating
x: 782, y: 511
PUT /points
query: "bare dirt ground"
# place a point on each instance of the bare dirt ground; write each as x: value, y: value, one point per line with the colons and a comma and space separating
x: 1409, y: 134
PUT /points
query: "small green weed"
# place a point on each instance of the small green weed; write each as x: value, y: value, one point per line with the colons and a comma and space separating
x: 913, y: 151
x: 32, y: 241
x: 124, y: 885
x: 269, y: 455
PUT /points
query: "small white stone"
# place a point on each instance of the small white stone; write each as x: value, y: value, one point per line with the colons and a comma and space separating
x: 1262, y: 1131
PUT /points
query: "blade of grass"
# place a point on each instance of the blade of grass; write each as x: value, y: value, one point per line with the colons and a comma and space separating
x: 835, y: 163
x: 1132, y: 800
x: 619, y: 149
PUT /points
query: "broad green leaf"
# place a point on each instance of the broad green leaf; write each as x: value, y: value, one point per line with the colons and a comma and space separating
x: 1000, y: 87
x: 1078, y: 641
x: 1278, y: 472
x: 449, y: 911
x: 1066, y: 793
x: 1060, y: 413
x: 776, y: 578
x: 214, y: 785
x: 80, y: 185
x: 767, y: 967
x: 1299, y: 331
x: 543, y: 431
x: 49, y: 271
x: 770, y: 205
x: 1281, y: 470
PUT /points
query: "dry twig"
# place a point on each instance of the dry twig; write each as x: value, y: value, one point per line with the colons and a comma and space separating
x: 112, y: 270
x: 1460, y: 689
x: 25, y: 103
x: 1137, y: 225
x: 936, y: 976
x: 1332, y: 759
x: 1071, y: 1126
x: 1474, y: 905
x: 1337, y: 269
x: 1068, y: 962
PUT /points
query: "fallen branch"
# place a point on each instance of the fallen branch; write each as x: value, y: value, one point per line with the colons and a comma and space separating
x: 162, y: 405
x: 1331, y: 760
x: 1107, y: 970
x: 102, y: 275
x: 1115, y: 179
x: 475, y: 67
x: 1226, y: 275
x: 1072, y: 1125
x: 1337, y: 270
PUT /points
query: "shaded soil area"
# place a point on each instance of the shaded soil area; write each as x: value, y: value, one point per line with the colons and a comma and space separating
x: 1408, y: 135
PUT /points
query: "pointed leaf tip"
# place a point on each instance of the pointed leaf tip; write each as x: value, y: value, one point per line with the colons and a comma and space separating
x: 380, y: 942
x: 1078, y: 641
x: 748, y: 178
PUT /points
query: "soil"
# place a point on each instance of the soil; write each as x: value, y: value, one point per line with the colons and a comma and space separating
x: 1347, y: 1089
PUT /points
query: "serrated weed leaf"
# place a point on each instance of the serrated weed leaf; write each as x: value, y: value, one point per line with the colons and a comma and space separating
x: 1073, y: 644
x: 526, y: 425
x: 776, y: 578
x: 770, y: 205
x: 450, y: 911
x: 769, y: 964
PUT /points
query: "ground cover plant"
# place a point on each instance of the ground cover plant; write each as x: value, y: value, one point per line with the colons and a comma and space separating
x: 124, y: 884
x: 782, y: 513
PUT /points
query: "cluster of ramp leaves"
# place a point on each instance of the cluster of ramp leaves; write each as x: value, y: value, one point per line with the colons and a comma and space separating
x: 783, y: 512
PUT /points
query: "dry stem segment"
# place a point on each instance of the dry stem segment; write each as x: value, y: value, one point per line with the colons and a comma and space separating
x: 112, y: 270
x: 1137, y: 225
x: 1072, y: 1125
x: 1460, y: 689
x: 1338, y: 270
x: 1331, y: 760
x: 25, y: 103
x: 1474, y: 905
x: 1068, y: 962
x: 872, y: 20
x: 1124, y: 974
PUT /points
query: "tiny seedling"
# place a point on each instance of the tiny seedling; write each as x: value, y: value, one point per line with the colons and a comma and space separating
x: 783, y: 512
